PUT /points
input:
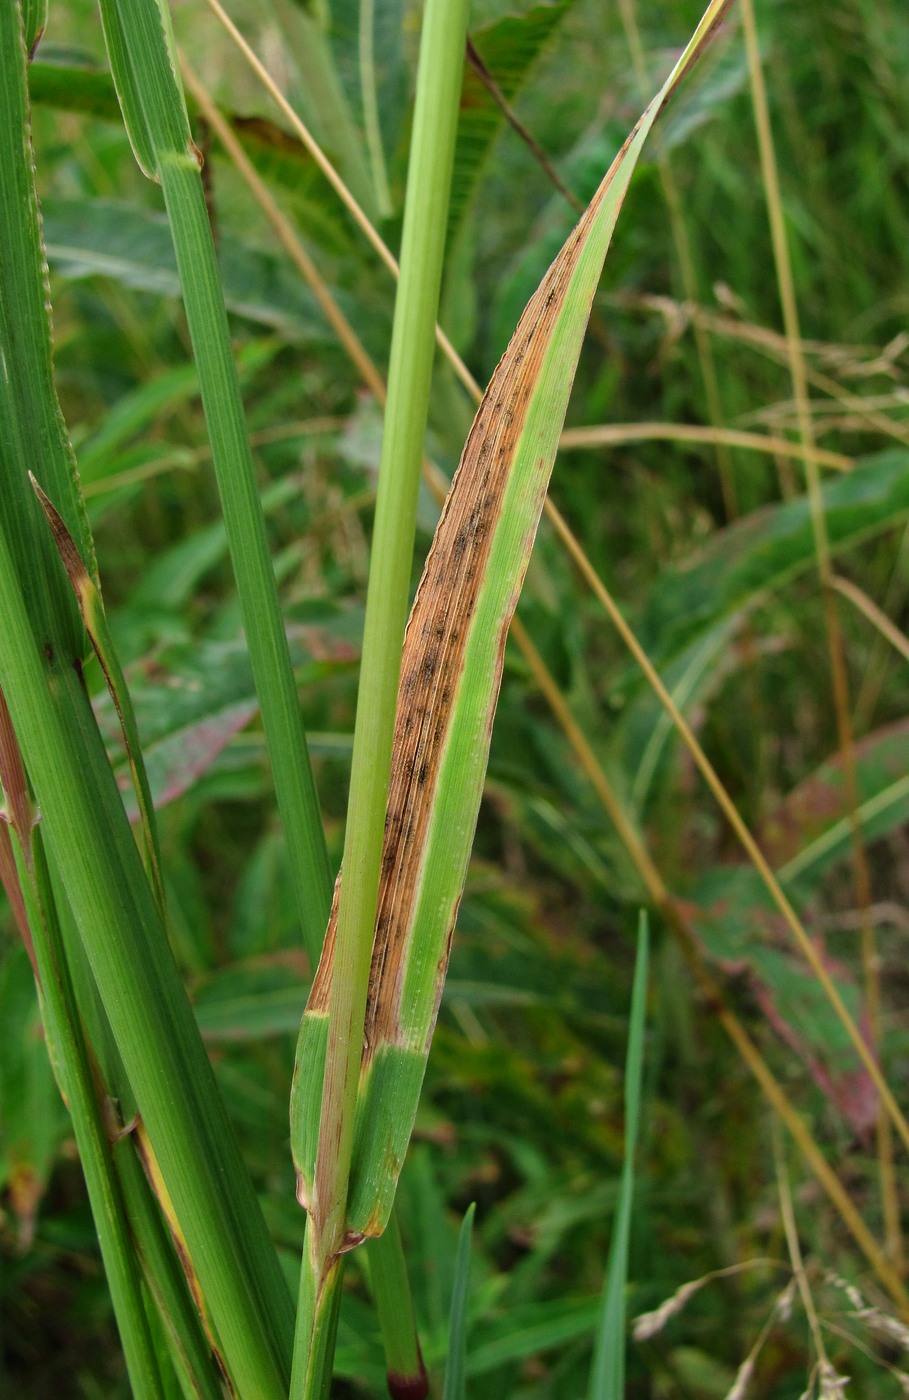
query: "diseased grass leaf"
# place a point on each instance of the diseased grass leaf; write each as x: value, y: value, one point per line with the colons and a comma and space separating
x: 450, y: 676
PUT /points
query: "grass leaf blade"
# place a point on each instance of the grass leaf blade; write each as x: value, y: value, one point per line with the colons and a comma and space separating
x: 607, y: 1379
x: 450, y: 676
x: 456, y: 1369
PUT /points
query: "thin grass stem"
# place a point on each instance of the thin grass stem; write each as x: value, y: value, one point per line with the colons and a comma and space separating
x: 611, y: 434
x: 359, y: 216
x: 839, y: 674
x: 859, y: 599
x: 410, y: 372
x: 70, y: 1053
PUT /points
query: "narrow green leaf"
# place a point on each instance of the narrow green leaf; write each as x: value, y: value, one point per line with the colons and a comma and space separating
x: 31, y: 428
x: 150, y: 74
x: 42, y: 642
x: 127, y: 91
x: 607, y: 1379
x: 91, y: 608
x: 34, y: 13
x: 450, y: 675
x: 70, y: 1056
x: 763, y: 552
x: 405, y: 1373
x: 456, y: 1368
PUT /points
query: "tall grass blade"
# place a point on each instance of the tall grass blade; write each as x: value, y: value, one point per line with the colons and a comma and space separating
x: 456, y: 1368
x: 405, y: 1372
x: 607, y: 1378
x: 450, y: 677
x: 42, y: 643
x: 328, y: 1068
x: 91, y: 608
x: 155, y: 112
x: 70, y: 1058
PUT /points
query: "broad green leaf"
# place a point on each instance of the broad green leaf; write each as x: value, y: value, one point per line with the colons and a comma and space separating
x: 450, y: 675
x: 59, y: 81
x: 739, y: 928
x: 805, y: 836
x: 323, y: 99
x: 762, y: 553
x: 690, y: 617
x: 809, y: 831
x: 367, y: 40
x: 192, y: 698
x: 100, y: 237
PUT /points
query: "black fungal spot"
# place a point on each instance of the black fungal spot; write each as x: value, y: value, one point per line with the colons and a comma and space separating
x: 49, y: 652
x: 423, y: 773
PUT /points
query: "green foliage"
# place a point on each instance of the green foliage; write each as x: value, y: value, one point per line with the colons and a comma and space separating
x: 523, y: 1108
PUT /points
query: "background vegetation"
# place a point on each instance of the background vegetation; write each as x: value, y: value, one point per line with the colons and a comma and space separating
x: 523, y: 1110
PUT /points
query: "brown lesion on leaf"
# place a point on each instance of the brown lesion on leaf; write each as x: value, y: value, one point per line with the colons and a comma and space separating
x: 434, y: 646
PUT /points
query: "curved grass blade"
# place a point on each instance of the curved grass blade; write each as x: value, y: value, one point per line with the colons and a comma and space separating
x: 88, y: 596
x: 607, y: 1378
x: 42, y: 641
x: 450, y: 675
x: 456, y: 1369
x: 155, y: 110
x: 70, y: 1059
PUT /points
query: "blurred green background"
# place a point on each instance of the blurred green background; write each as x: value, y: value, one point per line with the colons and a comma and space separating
x: 522, y: 1110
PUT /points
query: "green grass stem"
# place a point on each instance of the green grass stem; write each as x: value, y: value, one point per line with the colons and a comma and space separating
x: 70, y: 1055
x: 410, y: 374
x: 391, y: 1289
x: 118, y: 920
x: 149, y: 78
